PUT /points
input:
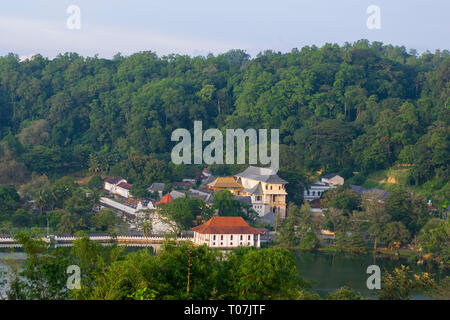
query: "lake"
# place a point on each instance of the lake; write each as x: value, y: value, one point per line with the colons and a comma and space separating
x: 329, y: 271
x: 325, y: 271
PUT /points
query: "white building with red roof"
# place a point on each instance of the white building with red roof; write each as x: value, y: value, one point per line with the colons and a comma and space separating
x: 118, y: 186
x: 226, y: 232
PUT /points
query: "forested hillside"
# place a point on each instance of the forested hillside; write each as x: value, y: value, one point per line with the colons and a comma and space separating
x: 360, y: 108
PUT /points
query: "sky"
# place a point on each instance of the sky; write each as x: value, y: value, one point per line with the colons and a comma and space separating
x: 200, y: 27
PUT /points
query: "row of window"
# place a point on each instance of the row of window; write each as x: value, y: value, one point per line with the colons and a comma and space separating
x: 231, y: 237
x: 231, y: 243
x: 267, y: 187
x: 314, y: 193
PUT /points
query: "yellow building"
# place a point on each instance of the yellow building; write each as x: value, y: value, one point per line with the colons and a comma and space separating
x: 266, y: 190
x: 226, y: 183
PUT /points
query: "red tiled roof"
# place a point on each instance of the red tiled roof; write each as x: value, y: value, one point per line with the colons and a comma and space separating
x: 166, y: 199
x: 225, y: 225
x: 113, y: 180
x: 124, y: 185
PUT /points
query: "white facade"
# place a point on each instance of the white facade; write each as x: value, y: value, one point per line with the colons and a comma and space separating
x: 316, y: 190
x: 272, y: 200
x: 110, y: 186
x: 227, y: 240
x: 121, y: 191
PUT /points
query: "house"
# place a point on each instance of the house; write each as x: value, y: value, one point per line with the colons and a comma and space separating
x: 226, y: 183
x: 110, y: 183
x: 333, y: 179
x: 192, y: 193
x: 226, y: 232
x: 123, y: 189
x: 266, y: 190
x: 316, y: 190
x: 158, y: 187
x: 379, y: 193
x: 118, y: 186
x: 182, y: 184
x: 166, y: 199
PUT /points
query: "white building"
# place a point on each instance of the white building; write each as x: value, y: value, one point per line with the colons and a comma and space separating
x: 110, y: 183
x: 316, y: 190
x: 226, y: 232
x: 266, y: 190
x: 118, y: 186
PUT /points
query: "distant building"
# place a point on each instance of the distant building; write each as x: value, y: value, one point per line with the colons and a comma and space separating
x: 379, y: 193
x: 226, y: 183
x: 158, y: 187
x: 166, y: 199
x: 110, y: 183
x: 192, y: 193
x: 226, y: 232
x: 182, y: 184
x: 333, y: 179
x: 267, y: 191
x: 118, y: 186
x: 123, y: 189
x: 316, y: 190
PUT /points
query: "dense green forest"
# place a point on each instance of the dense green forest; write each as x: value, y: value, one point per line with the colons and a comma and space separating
x: 352, y: 109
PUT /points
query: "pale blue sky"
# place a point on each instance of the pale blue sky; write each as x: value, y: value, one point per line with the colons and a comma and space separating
x: 202, y: 26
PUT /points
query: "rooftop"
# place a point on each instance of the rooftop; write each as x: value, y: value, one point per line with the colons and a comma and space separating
x: 157, y: 186
x: 225, y: 225
x: 330, y: 175
x: 166, y: 199
x: 225, y: 182
x: 124, y: 185
x: 261, y: 174
x: 113, y: 180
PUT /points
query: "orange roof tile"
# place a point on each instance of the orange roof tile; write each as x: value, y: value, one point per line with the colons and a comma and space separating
x: 166, y: 199
x: 225, y: 225
x: 225, y: 182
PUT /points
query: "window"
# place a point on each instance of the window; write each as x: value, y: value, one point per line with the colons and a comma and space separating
x: 231, y: 237
x: 214, y: 243
x: 270, y: 187
x: 279, y: 187
x: 221, y: 237
x: 248, y: 237
x: 267, y: 187
x: 221, y: 244
x: 313, y: 193
x: 241, y: 237
x: 231, y: 243
x: 214, y: 237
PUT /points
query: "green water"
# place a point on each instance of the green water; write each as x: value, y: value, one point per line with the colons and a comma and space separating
x: 329, y: 271
x: 325, y: 271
